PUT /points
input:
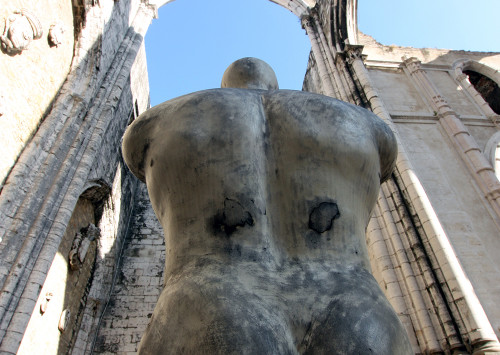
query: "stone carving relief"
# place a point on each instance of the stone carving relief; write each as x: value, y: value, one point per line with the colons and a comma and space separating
x: 56, y: 34
x: 64, y: 320
x: 45, y: 304
x: 81, y: 245
x: 20, y: 29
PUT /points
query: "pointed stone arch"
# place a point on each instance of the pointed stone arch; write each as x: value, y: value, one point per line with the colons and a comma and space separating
x: 342, y: 22
x: 459, y: 69
x: 492, y: 152
x: 298, y: 7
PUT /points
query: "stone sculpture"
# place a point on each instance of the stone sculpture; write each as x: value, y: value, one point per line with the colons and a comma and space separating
x: 20, y: 29
x: 81, y: 245
x: 264, y: 196
x: 56, y: 34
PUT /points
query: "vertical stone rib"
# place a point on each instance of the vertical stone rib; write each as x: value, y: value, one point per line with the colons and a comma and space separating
x: 428, y: 335
x: 438, y: 310
x: 388, y: 279
x: 475, y: 326
x: 337, y: 80
x: 459, y: 135
x: 320, y: 60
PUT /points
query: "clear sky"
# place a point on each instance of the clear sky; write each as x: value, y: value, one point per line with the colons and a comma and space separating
x: 193, y: 41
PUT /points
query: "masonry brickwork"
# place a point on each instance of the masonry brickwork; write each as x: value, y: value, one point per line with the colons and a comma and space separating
x: 138, y: 283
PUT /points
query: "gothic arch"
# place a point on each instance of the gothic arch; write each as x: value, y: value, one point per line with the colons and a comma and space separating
x: 492, y: 152
x: 298, y: 7
x: 458, y: 72
x: 96, y: 191
x: 462, y: 65
x: 344, y: 28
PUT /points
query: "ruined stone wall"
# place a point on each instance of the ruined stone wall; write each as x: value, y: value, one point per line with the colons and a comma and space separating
x: 64, y: 289
x: 74, y: 156
x: 469, y: 222
x: 30, y: 79
x: 138, y: 283
x: 433, y: 236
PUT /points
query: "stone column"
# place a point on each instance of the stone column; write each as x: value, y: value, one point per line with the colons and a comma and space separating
x: 466, y: 309
x: 307, y: 24
x: 464, y: 143
x: 339, y: 84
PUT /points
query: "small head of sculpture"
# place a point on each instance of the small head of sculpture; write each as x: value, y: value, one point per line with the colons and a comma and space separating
x: 250, y: 73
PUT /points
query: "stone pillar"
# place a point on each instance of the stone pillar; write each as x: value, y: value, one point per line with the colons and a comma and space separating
x: 339, y: 84
x: 467, y: 313
x: 464, y: 143
x: 307, y: 24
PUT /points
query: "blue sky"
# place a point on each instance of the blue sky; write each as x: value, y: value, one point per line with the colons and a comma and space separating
x: 193, y: 41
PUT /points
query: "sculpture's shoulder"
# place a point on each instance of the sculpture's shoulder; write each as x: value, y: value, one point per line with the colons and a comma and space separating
x: 338, y: 116
x: 189, y: 112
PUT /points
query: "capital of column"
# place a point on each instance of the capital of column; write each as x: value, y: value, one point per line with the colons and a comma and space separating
x: 461, y: 77
x: 307, y: 21
x: 412, y: 63
x: 152, y: 6
x: 353, y: 52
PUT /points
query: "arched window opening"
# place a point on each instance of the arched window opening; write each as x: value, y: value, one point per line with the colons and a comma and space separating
x: 488, y: 89
x: 492, y: 152
x: 192, y: 42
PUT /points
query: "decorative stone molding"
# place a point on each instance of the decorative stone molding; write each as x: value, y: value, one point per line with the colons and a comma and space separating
x: 20, y: 29
x: 45, y: 303
x: 492, y: 152
x: 81, y: 245
x: 463, y: 141
x: 353, y: 52
x: 64, y: 320
x: 308, y: 24
x: 458, y: 73
x: 56, y: 34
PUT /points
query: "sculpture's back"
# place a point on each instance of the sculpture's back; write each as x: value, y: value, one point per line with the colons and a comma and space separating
x: 264, y: 196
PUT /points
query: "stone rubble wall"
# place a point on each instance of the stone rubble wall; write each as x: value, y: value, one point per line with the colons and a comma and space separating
x: 139, y: 282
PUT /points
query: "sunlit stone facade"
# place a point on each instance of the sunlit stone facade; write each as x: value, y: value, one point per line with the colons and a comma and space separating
x: 433, y: 240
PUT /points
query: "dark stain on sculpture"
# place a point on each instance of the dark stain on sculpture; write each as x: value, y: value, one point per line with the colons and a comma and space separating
x: 144, y: 152
x: 322, y: 216
x: 233, y: 215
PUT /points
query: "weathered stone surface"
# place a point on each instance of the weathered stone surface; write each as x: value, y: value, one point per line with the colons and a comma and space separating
x: 264, y: 197
x: 31, y: 79
x: 20, y: 29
